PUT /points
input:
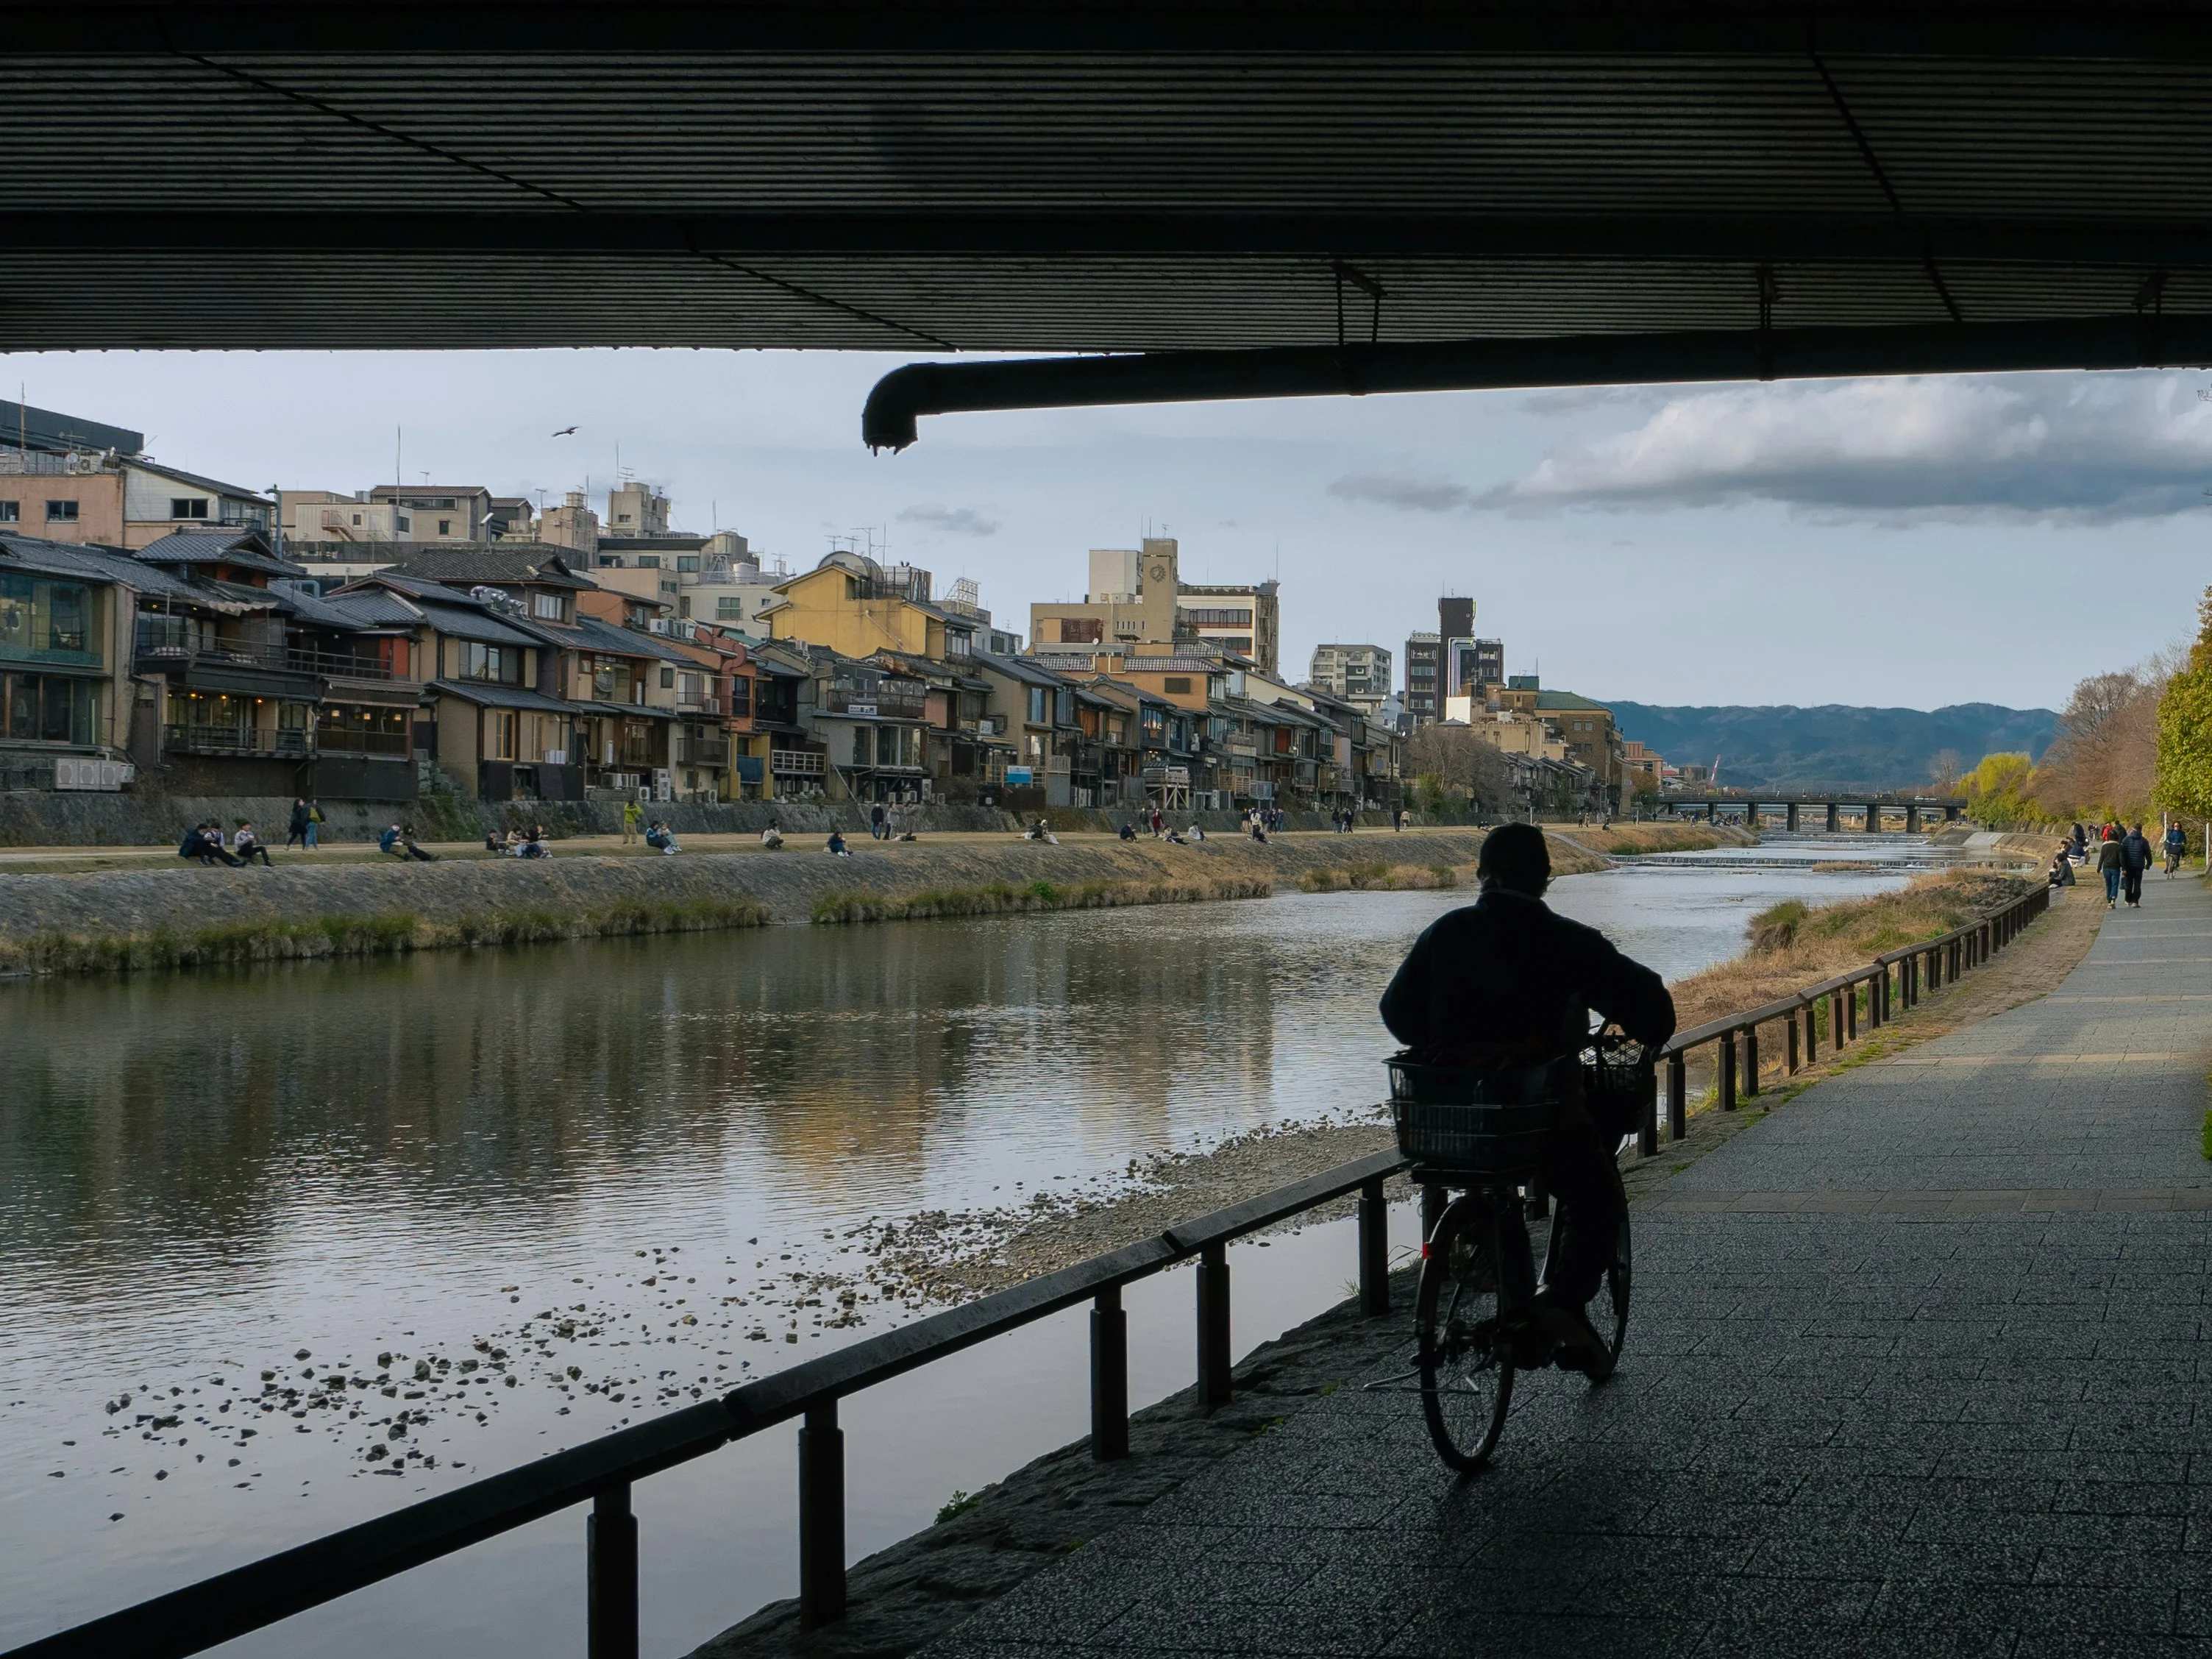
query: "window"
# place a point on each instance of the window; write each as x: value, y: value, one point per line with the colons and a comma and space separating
x: 47, y: 708
x: 1177, y: 682
x: 959, y: 642
x: 445, y: 527
x: 864, y: 745
x: 406, y: 526
x: 688, y: 563
x: 500, y: 664
x: 61, y: 511
x: 621, y: 518
x: 667, y: 679
x: 741, y: 696
x: 1081, y: 630
x: 1064, y: 707
x: 729, y: 609
x: 609, y: 562
x: 1037, y: 715
x: 11, y: 512
x: 356, y: 517
x: 45, y: 620
x: 648, y: 562
x: 546, y: 606
x: 188, y: 507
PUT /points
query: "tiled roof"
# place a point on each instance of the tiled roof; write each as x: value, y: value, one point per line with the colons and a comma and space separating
x: 161, y: 468
x: 1555, y: 701
x: 506, y: 562
x: 498, y: 696
x: 593, y: 635
x: 245, y: 547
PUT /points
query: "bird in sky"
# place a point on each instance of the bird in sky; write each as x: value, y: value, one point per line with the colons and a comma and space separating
x: 566, y: 431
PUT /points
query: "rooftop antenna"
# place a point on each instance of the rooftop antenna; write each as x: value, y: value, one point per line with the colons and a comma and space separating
x: 397, y: 474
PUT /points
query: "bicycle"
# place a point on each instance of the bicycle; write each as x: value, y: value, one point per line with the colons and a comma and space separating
x: 1481, y: 1131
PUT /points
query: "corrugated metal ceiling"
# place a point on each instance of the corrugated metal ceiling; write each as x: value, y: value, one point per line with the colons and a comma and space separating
x: 250, y: 182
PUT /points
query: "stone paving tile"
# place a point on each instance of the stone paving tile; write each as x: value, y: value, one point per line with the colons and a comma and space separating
x: 1938, y: 1396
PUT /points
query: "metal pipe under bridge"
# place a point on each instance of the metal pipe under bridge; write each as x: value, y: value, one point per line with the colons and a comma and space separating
x: 1870, y: 811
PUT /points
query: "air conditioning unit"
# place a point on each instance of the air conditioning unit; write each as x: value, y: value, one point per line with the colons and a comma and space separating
x: 664, y: 785
x: 90, y: 772
x: 659, y: 625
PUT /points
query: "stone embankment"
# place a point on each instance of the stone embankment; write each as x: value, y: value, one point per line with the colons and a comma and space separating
x: 122, y: 920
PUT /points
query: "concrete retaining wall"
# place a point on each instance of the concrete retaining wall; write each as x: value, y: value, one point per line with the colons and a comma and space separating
x: 152, y: 818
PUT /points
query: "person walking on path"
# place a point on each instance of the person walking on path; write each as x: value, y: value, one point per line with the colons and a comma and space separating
x: 633, y: 821
x: 876, y: 822
x: 2109, y: 862
x: 302, y: 828
x: 1508, y: 982
x: 2135, y: 860
x: 2177, y: 843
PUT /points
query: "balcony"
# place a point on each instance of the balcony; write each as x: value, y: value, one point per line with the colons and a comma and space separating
x: 702, y: 707
x: 796, y: 762
x: 884, y: 703
x: 339, y: 741
x: 180, y: 642
x: 237, y: 742
x: 702, y: 749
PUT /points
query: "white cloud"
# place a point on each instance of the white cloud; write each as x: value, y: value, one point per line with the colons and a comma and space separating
x: 2073, y: 448
x: 952, y: 521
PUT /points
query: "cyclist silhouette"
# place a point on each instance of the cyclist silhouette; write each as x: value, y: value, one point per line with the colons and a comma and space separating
x: 1506, y: 981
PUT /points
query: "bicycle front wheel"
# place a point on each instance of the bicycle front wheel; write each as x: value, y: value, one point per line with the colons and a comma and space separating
x: 1467, y: 1377
x: 1608, y: 1309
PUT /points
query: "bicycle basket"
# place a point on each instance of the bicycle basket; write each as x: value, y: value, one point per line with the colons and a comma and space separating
x: 1620, y: 1086
x: 1490, y: 1121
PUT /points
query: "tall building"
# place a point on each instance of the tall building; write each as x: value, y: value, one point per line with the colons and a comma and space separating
x: 1137, y: 597
x: 1423, y: 664
x: 1358, y: 673
x: 1467, y: 663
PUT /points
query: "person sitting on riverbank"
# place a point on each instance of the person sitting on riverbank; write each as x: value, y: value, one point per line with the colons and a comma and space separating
x: 537, y: 846
x: 1041, y: 831
x: 1508, y: 982
x: 835, y: 847
x: 1127, y: 832
x: 2062, y: 870
x: 203, y: 843
x: 772, y: 838
x: 492, y: 842
x: 411, y: 850
x: 249, y: 846
x: 661, y: 839
x: 1197, y: 830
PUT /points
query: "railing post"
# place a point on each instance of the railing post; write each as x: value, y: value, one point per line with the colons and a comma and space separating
x: 1647, y: 1125
x: 610, y: 1590
x: 1836, y: 1019
x: 1750, y: 1061
x: 1811, y: 1031
x: 821, y: 1517
x: 1373, y: 1249
x: 1433, y: 1200
x: 1678, y: 1108
x: 1213, y: 1326
x: 1851, y: 995
x: 1110, y: 1377
x: 1791, y: 1056
x: 1727, y: 1072
x: 1874, y: 996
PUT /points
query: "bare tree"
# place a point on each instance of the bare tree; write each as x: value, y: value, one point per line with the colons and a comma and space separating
x: 1945, y: 771
x: 2105, y: 754
x: 1463, y: 764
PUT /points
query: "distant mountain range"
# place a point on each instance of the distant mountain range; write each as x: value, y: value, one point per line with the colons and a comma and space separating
x: 1832, y: 746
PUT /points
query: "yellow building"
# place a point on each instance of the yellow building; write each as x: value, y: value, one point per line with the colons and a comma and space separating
x: 856, y: 607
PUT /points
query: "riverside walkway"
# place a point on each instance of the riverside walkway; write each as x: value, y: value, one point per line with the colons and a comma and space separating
x: 1919, y: 1366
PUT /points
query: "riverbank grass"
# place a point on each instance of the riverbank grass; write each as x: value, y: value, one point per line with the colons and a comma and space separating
x: 386, y: 933
x: 1378, y: 875
x: 1002, y: 897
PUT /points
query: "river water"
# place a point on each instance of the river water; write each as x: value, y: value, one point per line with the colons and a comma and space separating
x: 482, y: 1170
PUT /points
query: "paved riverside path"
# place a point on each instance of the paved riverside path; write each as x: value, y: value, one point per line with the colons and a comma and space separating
x: 1918, y: 1365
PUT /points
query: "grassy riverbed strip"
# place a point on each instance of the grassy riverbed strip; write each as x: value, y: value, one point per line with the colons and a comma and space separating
x: 1001, y: 898
x: 386, y: 933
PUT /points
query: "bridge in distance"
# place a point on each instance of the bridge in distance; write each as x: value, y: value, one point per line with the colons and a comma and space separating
x: 1869, y: 810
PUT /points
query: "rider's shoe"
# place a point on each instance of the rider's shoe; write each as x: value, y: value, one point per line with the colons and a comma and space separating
x: 1580, y: 1347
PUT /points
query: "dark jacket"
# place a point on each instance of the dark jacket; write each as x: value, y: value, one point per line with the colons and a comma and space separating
x: 1507, y: 975
x: 2135, y: 851
x: 2111, y: 855
x: 300, y: 819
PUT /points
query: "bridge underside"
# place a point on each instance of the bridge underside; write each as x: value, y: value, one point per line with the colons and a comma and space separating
x: 1560, y: 194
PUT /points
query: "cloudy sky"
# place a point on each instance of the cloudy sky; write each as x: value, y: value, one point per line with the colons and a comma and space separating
x: 1897, y: 542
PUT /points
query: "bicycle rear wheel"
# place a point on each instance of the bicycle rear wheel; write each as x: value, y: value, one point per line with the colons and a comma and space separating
x: 1467, y: 1378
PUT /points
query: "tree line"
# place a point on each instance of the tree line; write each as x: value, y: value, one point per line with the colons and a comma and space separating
x: 2129, y: 744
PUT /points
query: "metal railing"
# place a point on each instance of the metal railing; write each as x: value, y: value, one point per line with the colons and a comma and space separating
x: 237, y: 740
x: 601, y: 1472
x: 1896, y: 980
x: 338, y: 740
